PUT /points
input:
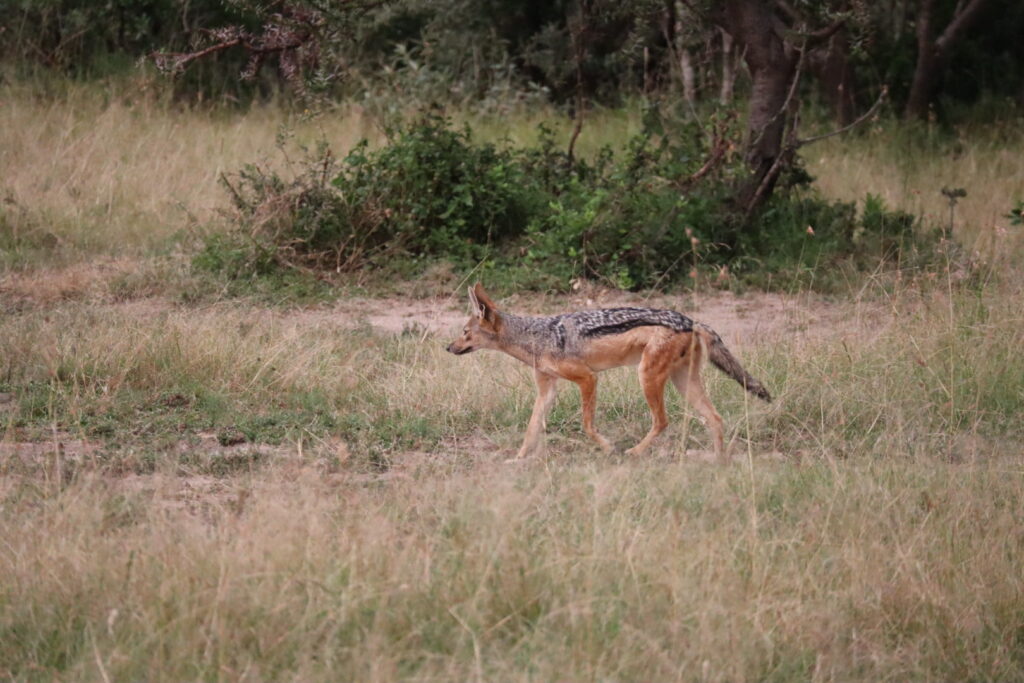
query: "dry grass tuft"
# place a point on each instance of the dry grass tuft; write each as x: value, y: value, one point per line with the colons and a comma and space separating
x: 909, y: 174
x: 638, y: 571
x: 235, y: 492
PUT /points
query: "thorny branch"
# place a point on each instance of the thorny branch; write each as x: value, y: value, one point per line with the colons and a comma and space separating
x: 577, y: 33
x: 794, y: 143
x: 859, y: 120
x: 719, y: 147
x: 294, y: 34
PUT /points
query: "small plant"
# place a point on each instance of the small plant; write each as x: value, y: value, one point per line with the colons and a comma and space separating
x: 1016, y: 215
x: 953, y: 195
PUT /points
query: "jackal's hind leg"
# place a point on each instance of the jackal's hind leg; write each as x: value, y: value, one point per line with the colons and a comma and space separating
x: 689, y: 383
x: 653, y: 371
x: 588, y: 393
x: 533, y: 442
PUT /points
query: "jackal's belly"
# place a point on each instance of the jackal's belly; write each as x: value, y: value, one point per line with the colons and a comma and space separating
x: 628, y: 348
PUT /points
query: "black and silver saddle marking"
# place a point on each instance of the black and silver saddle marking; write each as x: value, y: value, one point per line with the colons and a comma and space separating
x: 607, y: 321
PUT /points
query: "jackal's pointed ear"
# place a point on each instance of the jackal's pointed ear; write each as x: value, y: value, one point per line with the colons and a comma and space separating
x: 483, y: 307
x: 475, y: 303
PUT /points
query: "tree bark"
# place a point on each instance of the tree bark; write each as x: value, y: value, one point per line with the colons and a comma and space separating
x: 933, y: 53
x: 728, y: 68
x: 836, y: 78
x: 772, y: 64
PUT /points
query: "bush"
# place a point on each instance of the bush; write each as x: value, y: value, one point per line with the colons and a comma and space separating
x: 540, y: 216
x: 431, y: 191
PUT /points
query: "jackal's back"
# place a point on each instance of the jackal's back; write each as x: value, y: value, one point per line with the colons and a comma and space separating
x: 569, y: 333
x: 607, y: 321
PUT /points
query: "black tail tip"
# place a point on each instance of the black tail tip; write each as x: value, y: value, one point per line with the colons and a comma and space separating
x: 759, y: 391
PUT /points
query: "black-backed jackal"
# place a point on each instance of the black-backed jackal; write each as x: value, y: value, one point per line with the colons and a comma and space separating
x: 576, y: 346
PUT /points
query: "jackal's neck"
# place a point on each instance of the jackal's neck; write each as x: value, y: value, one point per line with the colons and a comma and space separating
x: 528, y: 337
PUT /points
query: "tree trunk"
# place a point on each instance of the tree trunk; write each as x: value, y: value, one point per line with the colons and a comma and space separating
x: 836, y: 79
x: 933, y: 54
x: 772, y: 66
x: 689, y: 75
x: 924, y: 70
x: 728, y: 68
x: 677, y: 40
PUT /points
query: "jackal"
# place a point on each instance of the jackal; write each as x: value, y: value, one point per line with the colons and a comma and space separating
x: 576, y: 346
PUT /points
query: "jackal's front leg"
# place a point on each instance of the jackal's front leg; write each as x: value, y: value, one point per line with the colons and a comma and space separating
x: 533, y: 442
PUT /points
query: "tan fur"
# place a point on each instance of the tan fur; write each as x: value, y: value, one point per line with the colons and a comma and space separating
x: 661, y: 354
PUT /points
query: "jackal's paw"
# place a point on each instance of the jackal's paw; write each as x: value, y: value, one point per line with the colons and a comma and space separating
x: 638, y: 449
x: 524, y: 454
x: 522, y: 459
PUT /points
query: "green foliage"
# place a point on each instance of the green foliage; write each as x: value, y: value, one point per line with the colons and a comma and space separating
x: 539, y: 216
x: 1016, y: 215
x: 432, y: 191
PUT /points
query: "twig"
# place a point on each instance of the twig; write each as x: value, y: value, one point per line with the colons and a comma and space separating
x: 719, y: 146
x: 177, y: 61
x: 820, y: 35
x: 789, y: 150
x: 577, y: 45
x: 859, y: 120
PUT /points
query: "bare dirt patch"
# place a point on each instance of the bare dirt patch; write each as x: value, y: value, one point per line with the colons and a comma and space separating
x: 751, y: 320
x: 746, y: 320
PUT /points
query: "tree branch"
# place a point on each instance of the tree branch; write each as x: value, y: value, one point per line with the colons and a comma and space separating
x: 822, y: 34
x: 790, y: 11
x: 859, y: 120
x: 177, y: 61
x: 961, y: 20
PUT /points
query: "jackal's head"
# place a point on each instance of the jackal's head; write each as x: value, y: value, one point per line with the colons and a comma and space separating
x: 484, y: 326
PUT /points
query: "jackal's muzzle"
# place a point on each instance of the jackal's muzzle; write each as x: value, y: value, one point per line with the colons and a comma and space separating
x: 458, y: 351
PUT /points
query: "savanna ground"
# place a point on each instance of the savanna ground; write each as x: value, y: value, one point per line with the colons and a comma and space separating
x: 198, y: 486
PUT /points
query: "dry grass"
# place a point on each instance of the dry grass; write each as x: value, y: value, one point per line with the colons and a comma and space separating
x: 868, y: 529
x: 909, y: 172
x: 878, y: 570
x: 110, y: 173
x: 123, y: 171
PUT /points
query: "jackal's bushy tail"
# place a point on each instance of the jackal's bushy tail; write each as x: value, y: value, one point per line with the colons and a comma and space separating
x: 722, y: 359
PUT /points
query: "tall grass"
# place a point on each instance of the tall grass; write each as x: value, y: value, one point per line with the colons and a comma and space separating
x: 909, y: 166
x: 868, y: 528
x: 880, y: 570
x: 100, y: 172
x: 124, y: 170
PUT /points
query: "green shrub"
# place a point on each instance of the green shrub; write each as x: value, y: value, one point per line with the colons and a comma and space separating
x: 433, y: 191
x: 542, y: 217
x: 430, y: 192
